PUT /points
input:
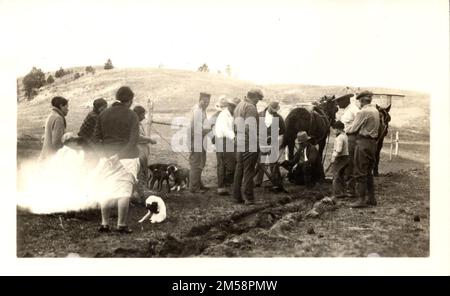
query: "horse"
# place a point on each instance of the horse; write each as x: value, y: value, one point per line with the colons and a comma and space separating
x: 315, y: 122
x: 385, y: 118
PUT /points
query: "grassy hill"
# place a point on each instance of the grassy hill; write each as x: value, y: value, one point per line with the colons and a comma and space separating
x: 174, y: 92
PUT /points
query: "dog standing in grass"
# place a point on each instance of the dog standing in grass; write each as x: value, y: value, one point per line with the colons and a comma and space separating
x: 158, y: 174
x: 180, y: 176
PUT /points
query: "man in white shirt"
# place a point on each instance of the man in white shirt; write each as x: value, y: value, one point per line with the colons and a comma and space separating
x: 347, y: 119
x: 224, y: 142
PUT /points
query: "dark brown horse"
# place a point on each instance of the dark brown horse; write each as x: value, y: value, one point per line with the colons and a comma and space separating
x: 316, y: 120
x: 385, y: 118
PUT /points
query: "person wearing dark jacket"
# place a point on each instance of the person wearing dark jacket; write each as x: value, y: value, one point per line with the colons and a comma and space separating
x: 246, y: 120
x: 117, y: 135
x: 307, y: 167
x: 87, y: 129
x: 268, y: 116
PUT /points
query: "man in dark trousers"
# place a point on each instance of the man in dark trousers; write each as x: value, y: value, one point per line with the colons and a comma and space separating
x: 365, y: 127
x: 269, y: 115
x: 224, y: 142
x: 246, y: 120
x: 198, y: 130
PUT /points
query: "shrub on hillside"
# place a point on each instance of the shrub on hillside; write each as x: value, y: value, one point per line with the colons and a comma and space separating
x: 32, y: 81
x: 90, y: 69
x: 61, y: 72
x: 108, y: 65
x: 50, y: 79
x: 76, y: 76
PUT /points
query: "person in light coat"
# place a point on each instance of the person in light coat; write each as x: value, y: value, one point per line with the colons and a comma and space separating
x: 55, y: 127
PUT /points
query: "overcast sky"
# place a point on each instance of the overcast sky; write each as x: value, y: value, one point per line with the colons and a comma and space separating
x: 347, y: 42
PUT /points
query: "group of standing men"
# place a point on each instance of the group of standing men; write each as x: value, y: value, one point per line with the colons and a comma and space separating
x: 236, y: 136
x: 353, y: 157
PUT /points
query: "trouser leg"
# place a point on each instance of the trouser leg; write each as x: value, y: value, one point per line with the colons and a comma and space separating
x: 230, y: 165
x: 259, y: 173
x: 195, y: 162
x: 220, y: 169
x: 250, y: 161
x: 238, y: 175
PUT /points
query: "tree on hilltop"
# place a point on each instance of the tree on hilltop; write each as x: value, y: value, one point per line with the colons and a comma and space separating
x: 33, y: 80
x: 108, y: 65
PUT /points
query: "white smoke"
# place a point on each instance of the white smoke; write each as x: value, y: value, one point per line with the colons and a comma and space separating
x: 59, y: 184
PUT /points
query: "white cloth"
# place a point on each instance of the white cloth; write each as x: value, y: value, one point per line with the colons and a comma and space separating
x: 340, y: 147
x: 349, y: 115
x: 268, y: 118
x: 113, y: 178
x: 161, y: 216
x: 224, y: 125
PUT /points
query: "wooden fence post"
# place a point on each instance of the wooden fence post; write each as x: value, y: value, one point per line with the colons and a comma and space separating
x: 396, y: 143
x: 392, y: 143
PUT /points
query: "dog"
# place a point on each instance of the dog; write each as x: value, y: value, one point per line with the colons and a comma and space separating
x: 158, y: 174
x: 180, y: 177
x: 156, y: 210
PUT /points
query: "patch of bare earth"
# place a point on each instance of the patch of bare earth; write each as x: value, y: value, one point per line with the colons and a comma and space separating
x: 277, y: 225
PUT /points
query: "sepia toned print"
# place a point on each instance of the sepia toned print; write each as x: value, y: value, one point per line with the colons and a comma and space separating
x: 211, y: 158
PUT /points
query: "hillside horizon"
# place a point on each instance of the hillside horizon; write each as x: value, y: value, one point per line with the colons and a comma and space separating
x: 172, y: 91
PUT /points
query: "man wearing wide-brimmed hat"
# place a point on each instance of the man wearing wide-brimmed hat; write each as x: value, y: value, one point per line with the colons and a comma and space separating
x: 224, y: 142
x: 246, y: 120
x: 307, y: 167
x: 271, y: 119
x: 365, y: 127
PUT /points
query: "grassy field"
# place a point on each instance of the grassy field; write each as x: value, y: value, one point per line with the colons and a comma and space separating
x: 209, y: 225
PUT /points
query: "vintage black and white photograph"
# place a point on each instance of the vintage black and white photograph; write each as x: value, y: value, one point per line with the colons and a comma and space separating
x: 225, y: 129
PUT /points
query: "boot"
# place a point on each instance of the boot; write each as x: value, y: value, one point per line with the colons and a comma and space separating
x: 361, y: 192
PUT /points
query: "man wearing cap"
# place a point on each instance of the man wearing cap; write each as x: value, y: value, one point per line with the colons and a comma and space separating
x: 307, y: 167
x: 198, y: 129
x: 224, y: 142
x: 246, y: 121
x: 347, y: 119
x: 365, y: 127
x: 269, y: 115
